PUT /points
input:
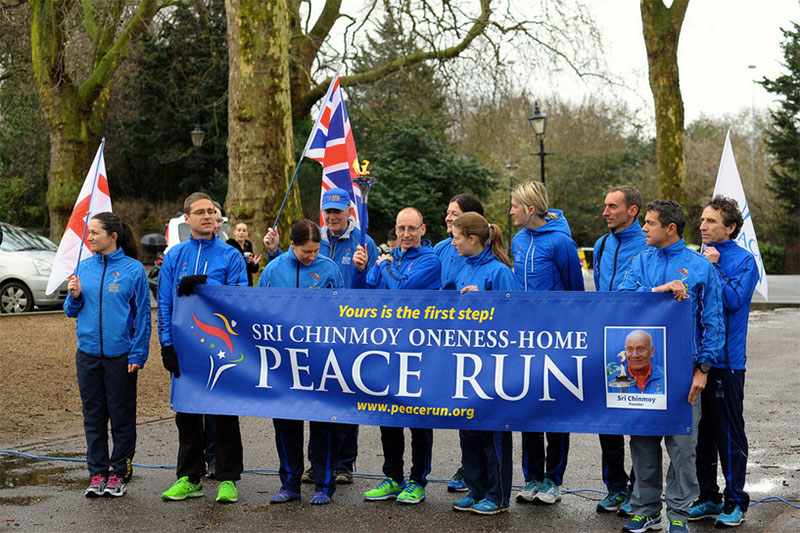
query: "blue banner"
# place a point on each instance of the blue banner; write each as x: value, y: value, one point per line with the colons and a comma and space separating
x: 530, y: 361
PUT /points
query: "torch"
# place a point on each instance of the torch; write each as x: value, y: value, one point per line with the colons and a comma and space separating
x: 364, y: 181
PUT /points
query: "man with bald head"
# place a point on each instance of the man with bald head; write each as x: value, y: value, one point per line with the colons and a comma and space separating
x: 411, y: 265
x: 638, y: 365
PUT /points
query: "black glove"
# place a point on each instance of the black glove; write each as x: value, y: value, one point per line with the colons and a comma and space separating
x: 170, y: 360
x: 188, y: 283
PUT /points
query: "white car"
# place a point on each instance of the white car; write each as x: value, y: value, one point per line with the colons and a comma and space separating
x: 26, y: 260
x: 178, y: 231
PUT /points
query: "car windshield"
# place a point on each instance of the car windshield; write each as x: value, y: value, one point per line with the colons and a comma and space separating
x: 17, y: 239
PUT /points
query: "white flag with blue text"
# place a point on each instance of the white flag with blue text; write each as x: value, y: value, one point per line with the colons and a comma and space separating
x: 730, y: 184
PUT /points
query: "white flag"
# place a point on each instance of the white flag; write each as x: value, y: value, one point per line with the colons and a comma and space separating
x: 94, y: 198
x: 729, y: 184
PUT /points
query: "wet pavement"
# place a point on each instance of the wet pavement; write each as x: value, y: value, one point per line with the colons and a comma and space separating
x: 47, y: 495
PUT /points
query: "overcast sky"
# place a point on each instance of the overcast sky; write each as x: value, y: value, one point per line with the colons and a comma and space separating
x: 719, y: 39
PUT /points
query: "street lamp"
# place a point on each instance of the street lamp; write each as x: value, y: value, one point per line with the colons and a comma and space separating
x: 511, y: 168
x: 197, y: 135
x: 539, y: 124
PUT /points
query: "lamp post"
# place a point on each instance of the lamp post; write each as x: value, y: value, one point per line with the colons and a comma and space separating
x: 511, y: 168
x: 197, y: 136
x: 538, y: 122
x: 752, y: 68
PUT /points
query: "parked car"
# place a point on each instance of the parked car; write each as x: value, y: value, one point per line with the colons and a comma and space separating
x: 176, y: 231
x: 26, y: 260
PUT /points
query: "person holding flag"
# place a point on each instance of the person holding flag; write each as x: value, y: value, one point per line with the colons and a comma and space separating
x: 110, y: 298
x: 721, y: 429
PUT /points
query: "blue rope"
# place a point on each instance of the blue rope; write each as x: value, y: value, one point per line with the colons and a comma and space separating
x: 366, y: 476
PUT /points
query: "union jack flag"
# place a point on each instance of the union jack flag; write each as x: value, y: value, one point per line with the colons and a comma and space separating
x: 331, y: 144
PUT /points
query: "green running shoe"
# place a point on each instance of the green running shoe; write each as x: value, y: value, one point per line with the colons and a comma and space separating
x: 182, y: 489
x: 387, y: 490
x: 413, y: 493
x: 227, y: 492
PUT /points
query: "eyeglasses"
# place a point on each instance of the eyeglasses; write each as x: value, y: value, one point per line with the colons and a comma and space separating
x: 201, y: 212
x: 403, y: 229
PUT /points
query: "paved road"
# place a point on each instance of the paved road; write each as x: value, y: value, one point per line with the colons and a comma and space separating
x: 48, y: 495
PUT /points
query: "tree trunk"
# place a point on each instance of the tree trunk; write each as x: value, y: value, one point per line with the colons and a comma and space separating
x: 260, y: 159
x: 662, y: 29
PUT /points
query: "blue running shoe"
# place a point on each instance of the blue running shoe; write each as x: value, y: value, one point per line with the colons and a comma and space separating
x: 612, y: 502
x: 731, y: 516
x: 488, y: 507
x: 626, y: 509
x: 640, y: 524
x: 464, y: 504
x: 457, y: 482
x: 284, y: 496
x: 529, y: 492
x: 549, y: 493
x: 320, y: 498
x: 678, y: 526
x: 707, y: 509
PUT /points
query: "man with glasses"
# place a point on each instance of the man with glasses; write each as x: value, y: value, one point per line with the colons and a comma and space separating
x: 412, y: 265
x: 201, y: 259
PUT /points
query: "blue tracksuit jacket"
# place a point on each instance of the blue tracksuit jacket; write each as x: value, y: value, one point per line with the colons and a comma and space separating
x: 613, y: 254
x: 287, y: 271
x: 546, y: 258
x: 451, y: 261
x: 657, y: 266
x: 738, y: 276
x: 113, y: 310
x: 654, y: 385
x: 341, y: 249
x: 485, y: 271
x: 416, y: 268
x: 221, y: 263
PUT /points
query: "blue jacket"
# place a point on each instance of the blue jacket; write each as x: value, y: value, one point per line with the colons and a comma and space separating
x: 451, y: 261
x: 657, y: 266
x: 546, y: 258
x: 613, y: 254
x: 416, y: 268
x: 485, y: 271
x: 654, y: 385
x: 738, y: 276
x: 341, y: 249
x: 221, y: 263
x: 287, y: 271
x: 114, y: 307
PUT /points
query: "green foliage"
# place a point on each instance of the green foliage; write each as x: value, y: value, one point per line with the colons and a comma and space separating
x: 400, y: 124
x: 783, y: 136
x: 23, y: 135
x: 774, y: 257
x: 180, y: 80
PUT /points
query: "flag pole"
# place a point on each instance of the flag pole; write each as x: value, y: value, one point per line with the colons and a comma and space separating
x: 305, y: 149
x: 291, y: 183
x: 89, y: 210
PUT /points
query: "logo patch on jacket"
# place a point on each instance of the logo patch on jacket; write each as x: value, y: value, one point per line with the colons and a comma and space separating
x: 113, y: 287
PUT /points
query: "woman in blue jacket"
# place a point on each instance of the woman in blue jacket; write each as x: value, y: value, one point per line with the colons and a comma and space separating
x: 545, y: 259
x: 303, y: 268
x: 109, y: 296
x: 485, y: 455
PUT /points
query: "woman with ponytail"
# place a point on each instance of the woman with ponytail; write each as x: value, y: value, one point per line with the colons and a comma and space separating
x: 485, y: 455
x: 110, y: 298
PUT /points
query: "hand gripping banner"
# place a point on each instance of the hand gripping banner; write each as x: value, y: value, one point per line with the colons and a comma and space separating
x: 573, y: 362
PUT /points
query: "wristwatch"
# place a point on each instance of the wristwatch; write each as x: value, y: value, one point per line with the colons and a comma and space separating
x: 703, y: 367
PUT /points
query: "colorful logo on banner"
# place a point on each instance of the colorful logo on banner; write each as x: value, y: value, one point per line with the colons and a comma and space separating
x: 593, y: 363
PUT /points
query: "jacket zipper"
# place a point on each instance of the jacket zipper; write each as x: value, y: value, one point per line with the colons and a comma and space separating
x: 297, y: 279
x: 102, y: 285
x: 614, y: 270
